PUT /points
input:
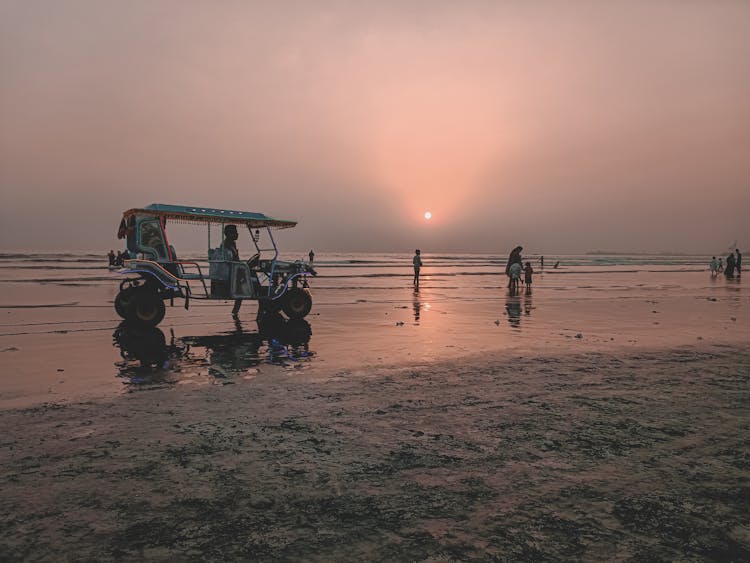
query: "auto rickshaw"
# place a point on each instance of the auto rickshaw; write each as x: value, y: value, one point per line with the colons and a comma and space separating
x: 155, y: 274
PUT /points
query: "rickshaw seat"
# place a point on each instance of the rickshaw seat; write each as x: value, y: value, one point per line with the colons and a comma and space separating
x: 219, y: 259
x: 177, y: 270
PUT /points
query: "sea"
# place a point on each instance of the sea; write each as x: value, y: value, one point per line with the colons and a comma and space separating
x: 354, y: 272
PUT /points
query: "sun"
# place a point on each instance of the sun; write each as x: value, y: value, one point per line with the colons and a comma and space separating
x: 427, y: 215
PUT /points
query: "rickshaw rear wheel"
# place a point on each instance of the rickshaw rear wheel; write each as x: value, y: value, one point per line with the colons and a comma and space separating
x: 148, y: 309
x: 297, y: 303
x: 124, y: 302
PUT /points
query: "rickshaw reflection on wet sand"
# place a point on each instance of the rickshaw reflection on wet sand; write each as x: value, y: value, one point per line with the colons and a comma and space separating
x: 150, y: 358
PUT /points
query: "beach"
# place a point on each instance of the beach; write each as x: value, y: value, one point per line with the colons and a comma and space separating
x: 602, y: 416
x: 374, y: 281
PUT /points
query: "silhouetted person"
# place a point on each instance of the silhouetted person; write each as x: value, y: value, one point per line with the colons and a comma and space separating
x: 541, y: 262
x: 417, y: 261
x: 729, y: 270
x: 528, y: 272
x: 515, y: 275
x: 230, y: 243
x: 311, y: 254
x: 513, y: 258
x: 714, y: 266
x: 738, y: 262
x: 111, y: 256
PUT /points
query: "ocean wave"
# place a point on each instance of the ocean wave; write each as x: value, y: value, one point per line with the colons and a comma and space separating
x: 26, y: 267
x: 43, y: 306
x: 60, y: 280
x: 84, y: 267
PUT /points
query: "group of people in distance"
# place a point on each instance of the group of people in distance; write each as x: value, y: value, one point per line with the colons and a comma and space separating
x: 117, y: 259
x: 733, y: 267
x: 513, y: 269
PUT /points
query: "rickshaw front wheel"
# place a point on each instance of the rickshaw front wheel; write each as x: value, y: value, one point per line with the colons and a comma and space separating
x: 148, y: 309
x: 297, y: 303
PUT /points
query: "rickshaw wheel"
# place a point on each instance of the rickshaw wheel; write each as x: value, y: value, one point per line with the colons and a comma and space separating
x: 297, y: 303
x: 124, y: 302
x: 148, y: 309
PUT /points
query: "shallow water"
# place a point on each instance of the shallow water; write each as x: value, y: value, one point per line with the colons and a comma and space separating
x: 60, y: 338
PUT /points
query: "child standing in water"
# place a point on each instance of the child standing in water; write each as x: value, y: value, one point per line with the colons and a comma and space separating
x: 528, y: 271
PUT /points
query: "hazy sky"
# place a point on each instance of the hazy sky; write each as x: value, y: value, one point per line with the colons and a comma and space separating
x: 561, y: 125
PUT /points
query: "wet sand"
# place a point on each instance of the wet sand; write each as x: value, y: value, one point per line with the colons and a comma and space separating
x: 595, y: 456
x: 63, y: 342
x: 605, y: 418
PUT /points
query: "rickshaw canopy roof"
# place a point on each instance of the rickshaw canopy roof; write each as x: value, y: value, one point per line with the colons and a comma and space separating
x: 189, y: 214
